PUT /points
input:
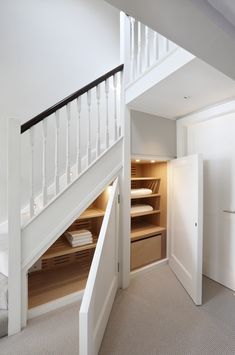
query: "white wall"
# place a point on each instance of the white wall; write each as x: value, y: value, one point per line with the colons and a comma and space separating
x: 210, y: 132
x: 48, y: 50
x: 152, y: 135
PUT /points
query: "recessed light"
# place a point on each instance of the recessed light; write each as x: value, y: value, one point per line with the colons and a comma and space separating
x: 137, y: 160
x: 152, y: 161
x: 187, y: 97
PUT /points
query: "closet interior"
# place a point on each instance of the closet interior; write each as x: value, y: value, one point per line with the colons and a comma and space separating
x: 148, y: 212
x: 63, y: 269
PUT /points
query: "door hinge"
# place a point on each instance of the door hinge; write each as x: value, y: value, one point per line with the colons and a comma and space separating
x: 118, y: 267
x: 119, y: 198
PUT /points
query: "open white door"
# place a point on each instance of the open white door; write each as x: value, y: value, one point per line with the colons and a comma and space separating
x: 186, y: 222
x: 102, y: 281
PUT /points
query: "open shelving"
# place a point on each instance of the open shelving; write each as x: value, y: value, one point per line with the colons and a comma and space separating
x: 146, y: 213
x: 143, y: 230
x: 148, y: 228
x: 64, y: 269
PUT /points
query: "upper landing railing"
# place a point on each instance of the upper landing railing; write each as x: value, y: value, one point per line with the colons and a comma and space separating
x: 147, y: 48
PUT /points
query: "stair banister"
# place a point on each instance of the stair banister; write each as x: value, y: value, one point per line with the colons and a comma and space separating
x: 32, y: 122
x: 93, y: 112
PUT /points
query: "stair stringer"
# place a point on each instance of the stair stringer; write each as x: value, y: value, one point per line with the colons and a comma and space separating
x: 40, y: 233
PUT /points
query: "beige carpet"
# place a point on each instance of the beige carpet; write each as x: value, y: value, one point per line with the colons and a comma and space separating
x: 154, y: 316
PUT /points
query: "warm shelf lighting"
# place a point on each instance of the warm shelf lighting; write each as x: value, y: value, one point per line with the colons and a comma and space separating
x: 152, y: 161
x: 137, y: 160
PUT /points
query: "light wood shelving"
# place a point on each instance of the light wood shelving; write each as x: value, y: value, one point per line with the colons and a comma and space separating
x: 143, y: 230
x: 62, y: 247
x: 148, y: 229
x: 139, y: 214
x: 64, y: 269
x: 143, y: 178
x: 92, y: 213
x: 46, y: 286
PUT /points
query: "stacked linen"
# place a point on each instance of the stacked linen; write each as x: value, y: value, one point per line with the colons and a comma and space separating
x: 79, y: 237
x: 140, y: 192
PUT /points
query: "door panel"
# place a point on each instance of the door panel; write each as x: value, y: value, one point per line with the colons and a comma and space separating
x: 185, y: 257
x: 214, y: 139
x: 102, y: 281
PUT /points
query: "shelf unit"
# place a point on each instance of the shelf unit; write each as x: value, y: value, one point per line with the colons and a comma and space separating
x: 148, y: 229
x: 64, y: 269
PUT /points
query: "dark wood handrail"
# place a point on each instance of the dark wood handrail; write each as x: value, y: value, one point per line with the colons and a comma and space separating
x: 33, y: 121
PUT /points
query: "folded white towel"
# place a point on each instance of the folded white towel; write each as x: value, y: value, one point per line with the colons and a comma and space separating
x: 141, y: 208
x: 80, y: 239
x: 142, y: 191
x: 79, y: 244
x: 80, y: 233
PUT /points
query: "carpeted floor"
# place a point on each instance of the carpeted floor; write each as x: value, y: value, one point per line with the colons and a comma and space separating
x: 154, y: 316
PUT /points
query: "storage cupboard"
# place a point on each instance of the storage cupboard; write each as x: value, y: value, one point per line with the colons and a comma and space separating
x: 63, y: 269
x: 148, y: 212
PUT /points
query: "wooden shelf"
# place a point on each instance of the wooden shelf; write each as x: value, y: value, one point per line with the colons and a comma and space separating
x: 48, y: 285
x: 145, y: 196
x: 92, y: 213
x: 144, y: 178
x: 62, y: 247
x: 138, y: 214
x: 144, y: 230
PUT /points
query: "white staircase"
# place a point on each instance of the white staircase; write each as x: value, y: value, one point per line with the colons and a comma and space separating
x: 69, y: 154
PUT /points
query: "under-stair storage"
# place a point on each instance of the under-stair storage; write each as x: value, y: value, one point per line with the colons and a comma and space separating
x: 148, y: 212
x: 63, y: 269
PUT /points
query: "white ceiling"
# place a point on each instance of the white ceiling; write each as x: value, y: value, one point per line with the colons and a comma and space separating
x: 204, y: 84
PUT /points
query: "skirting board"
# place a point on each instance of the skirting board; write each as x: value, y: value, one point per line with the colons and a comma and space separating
x: 149, y: 267
x: 56, y: 304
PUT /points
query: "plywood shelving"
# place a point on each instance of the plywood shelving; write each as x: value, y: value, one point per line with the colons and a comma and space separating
x: 64, y: 269
x: 92, y: 212
x: 144, y: 230
x: 139, y: 214
x: 148, y: 229
x: 62, y: 247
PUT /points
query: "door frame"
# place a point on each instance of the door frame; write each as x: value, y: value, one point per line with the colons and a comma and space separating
x: 226, y: 109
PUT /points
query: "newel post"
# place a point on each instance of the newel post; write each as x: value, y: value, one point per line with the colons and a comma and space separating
x: 124, y: 251
x: 14, y: 227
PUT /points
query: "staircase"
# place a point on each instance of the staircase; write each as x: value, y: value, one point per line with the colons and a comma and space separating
x: 73, y: 150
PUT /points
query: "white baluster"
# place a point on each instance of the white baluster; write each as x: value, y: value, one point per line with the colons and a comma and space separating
x: 132, y: 54
x: 68, y: 167
x: 89, y: 128
x: 115, y: 107
x: 44, y: 162
x: 98, y: 148
x: 155, y: 47
x: 167, y: 45
x: 31, y: 200
x: 139, y: 68
x: 147, y: 61
x: 57, y: 177
x: 120, y: 104
x: 79, y: 106
x: 107, y: 113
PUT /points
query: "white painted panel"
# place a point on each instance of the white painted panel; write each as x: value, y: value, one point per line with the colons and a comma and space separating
x: 186, y: 223
x: 214, y: 138
x: 102, y: 281
x: 152, y: 135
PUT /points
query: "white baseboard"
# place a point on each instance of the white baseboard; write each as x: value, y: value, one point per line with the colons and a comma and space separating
x: 149, y: 267
x: 56, y: 304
